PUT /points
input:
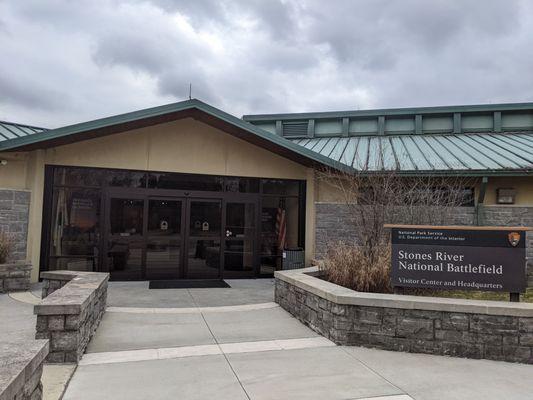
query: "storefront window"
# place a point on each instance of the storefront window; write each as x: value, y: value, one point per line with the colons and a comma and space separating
x: 185, y: 182
x: 242, y: 185
x: 279, y: 186
x: 130, y: 179
x: 217, y: 225
x: 75, y: 228
x: 279, y: 230
x: 126, y: 217
x: 69, y: 176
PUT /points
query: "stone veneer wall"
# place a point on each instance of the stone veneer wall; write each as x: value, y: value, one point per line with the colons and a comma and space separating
x: 459, y: 328
x: 73, y: 305
x: 333, y: 224
x: 21, y: 368
x: 14, y: 277
x: 14, y: 214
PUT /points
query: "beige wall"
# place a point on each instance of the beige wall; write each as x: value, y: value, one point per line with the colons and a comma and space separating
x: 13, y: 174
x: 327, y: 193
x: 181, y: 146
x: 522, y: 185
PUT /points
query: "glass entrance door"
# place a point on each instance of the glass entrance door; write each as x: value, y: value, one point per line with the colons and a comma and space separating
x: 126, y: 239
x: 178, y: 237
x: 239, y: 239
x: 204, y: 239
x: 164, y: 238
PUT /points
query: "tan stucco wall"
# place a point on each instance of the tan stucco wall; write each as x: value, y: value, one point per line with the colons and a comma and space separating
x: 328, y: 193
x: 181, y: 146
x: 522, y: 185
x: 13, y: 174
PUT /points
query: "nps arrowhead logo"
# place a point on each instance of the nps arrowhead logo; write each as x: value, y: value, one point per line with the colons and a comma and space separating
x: 514, y: 238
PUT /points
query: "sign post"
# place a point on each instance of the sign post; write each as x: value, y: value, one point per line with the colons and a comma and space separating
x: 459, y: 258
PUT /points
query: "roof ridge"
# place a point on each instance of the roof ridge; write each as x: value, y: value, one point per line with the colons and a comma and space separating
x: 393, y: 111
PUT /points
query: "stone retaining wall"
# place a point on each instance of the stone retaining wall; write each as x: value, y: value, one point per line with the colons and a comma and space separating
x: 14, y: 277
x: 72, y: 307
x: 454, y: 327
x: 334, y: 223
x: 21, y: 368
x: 14, y: 214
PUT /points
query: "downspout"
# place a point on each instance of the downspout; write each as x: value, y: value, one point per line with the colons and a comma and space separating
x: 481, y: 200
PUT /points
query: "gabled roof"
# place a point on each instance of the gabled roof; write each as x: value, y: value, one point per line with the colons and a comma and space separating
x: 12, y: 130
x: 429, y: 140
x: 152, y: 116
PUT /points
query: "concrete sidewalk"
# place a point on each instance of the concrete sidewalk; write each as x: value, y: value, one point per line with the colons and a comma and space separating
x: 203, y: 344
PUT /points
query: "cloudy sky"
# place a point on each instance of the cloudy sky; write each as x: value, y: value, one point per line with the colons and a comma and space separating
x: 67, y: 61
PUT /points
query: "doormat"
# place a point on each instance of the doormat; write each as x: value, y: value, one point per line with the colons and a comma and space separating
x: 188, y: 284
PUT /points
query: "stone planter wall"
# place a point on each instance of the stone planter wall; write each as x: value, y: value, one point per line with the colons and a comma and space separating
x: 14, y: 277
x: 21, y: 368
x: 70, y: 312
x: 14, y: 214
x: 454, y: 327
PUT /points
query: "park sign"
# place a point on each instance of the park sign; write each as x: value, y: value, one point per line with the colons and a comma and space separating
x: 459, y: 257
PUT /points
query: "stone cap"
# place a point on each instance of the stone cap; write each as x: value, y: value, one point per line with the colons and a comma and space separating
x: 71, y: 298
x: 307, y: 279
x: 18, y: 362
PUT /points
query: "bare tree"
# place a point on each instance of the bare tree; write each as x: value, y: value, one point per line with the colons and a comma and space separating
x: 374, y: 199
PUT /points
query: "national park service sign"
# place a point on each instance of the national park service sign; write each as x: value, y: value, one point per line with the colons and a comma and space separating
x: 459, y: 258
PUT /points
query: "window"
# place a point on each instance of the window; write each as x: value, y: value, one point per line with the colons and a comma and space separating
x: 130, y: 179
x: 75, y: 230
x: 70, y: 176
x: 242, y: 185
x: 279, y: 186
x: 185, y: 182
x: 126, y: 217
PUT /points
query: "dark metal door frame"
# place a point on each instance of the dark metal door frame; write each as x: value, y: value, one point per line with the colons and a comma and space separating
x: 188, y: 233
x: 183, y: 231
x: 107, y: 235
x: 245, y: 199
x: 186, y: 197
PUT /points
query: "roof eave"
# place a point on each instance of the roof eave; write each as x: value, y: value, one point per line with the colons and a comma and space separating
x: 154, y: 116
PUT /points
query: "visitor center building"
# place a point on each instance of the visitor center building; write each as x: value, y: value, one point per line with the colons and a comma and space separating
x: 187, y: 191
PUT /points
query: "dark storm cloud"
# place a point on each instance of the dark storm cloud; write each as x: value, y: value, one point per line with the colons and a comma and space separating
x: 275, y: 16
x: 71, y: 61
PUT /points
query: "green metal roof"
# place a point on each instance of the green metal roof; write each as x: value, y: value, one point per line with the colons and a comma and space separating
x: 474, y: 140
x: 469, y: 140
x: 83, y: 131
x: 468, y: 154
x: 11, y: 130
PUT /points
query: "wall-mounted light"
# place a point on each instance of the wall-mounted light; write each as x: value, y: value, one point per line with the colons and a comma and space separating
x: 505, y: 195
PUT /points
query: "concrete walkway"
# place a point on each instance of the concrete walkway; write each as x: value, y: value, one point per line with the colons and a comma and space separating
x: 17, y: 322
x: 237, y: 344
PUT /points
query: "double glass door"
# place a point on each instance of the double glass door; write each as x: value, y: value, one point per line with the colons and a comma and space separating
x: 172, y: 238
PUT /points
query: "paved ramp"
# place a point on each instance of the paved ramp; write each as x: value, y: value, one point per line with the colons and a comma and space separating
x: 237, y: 344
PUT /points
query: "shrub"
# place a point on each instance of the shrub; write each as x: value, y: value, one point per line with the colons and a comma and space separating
x: 6, y: 247
x: 349, y: 266
x: 376, y: 198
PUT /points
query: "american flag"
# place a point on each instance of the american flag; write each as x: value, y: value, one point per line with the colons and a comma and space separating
x: 281, y: 228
